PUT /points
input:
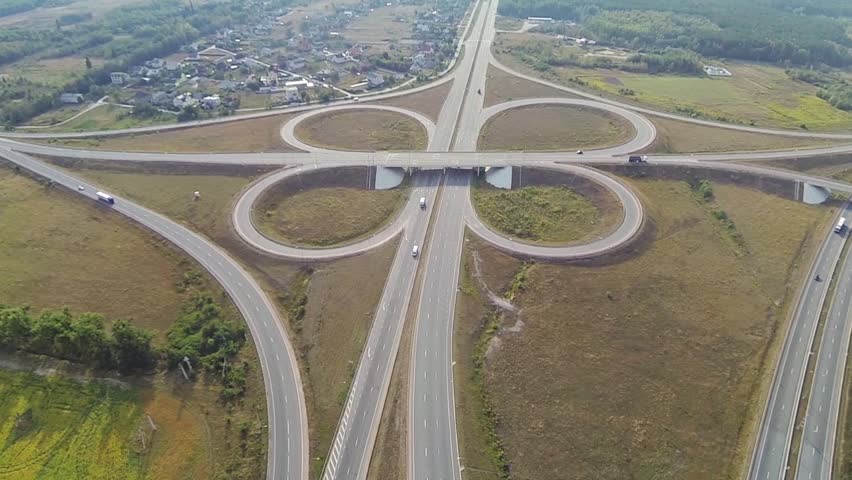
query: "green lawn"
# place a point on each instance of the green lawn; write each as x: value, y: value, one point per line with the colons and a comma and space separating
x: 52, y: 428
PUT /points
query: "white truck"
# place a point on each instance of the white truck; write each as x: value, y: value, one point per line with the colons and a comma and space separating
x: 840, y: 224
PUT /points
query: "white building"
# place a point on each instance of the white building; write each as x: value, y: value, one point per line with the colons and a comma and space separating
x: 118, y: 78
x: 211, y: 102
x: 71, y: 98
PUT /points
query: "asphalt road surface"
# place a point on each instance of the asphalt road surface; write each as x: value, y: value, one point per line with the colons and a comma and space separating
x: 820, y: 429
x: 773, y: 443
x: 288, y: 430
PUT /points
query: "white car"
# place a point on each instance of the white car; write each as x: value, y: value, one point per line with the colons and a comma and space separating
x: 415, y: 251
x: 579, y: 152
x: 80, y: 188
x: 355, y: 99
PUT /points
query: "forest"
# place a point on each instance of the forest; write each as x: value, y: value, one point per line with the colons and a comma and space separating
x: 789, y: 32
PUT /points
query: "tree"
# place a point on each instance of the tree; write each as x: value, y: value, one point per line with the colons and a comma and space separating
x: 88, y: 63
x: 131, y: 347
x: 15, y: 326
x: 188, y: 113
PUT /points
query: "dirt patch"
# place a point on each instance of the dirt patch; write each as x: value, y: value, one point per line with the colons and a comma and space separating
x: 613, y: 81
x: 363, y: 130
x: 554, y: 128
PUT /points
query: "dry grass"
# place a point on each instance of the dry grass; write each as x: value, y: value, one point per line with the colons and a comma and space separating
x: 502, y: 87
x: 59, y: 250
x: 340, y: 296
x: 380, y: 30
x: 681, y: 137
x: 363, y: 130
x: 257, y: 135
x: 554, y: 128
x: 544, y: 214
x: 110, y: 117
x: 428, y: 102
x: 654, y: 366
x: 327, y: 216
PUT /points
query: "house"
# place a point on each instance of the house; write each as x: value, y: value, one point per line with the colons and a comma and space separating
x: 71, y: 98
x: 375, y: 79
x: 423, y: 61
x: 296, y: 64
x: 159, y: 98
x: 292, y: 95
x: 540, y: 19
x: 172, y: 66
x: 338, y: 58
x: 155, y: 63
x: 300, y: 84
x: 184, y: 100
x: 211, y: 102
x: 119, y: 78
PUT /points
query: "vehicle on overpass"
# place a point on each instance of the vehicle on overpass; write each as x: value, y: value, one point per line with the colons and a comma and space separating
x: 637, y: 158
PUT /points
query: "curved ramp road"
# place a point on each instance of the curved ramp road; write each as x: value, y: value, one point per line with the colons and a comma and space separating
x: 244, y: 225
x: 628, y: 228
x: 645, y: 134
x: 288, y: 431
x: 288, y: 131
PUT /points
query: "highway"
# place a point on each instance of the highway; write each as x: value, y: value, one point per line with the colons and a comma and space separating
x: 819, y: 433
x: 288, y: 425
x: 776, y: 432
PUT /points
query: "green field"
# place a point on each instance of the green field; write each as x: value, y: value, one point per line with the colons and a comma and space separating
x: 52, y: 428
x: 756, y: 94
x: 363, y: 130
x: 110, y: 117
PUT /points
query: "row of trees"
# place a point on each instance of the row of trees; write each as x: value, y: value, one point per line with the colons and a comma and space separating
x: 202, y: 334
x: 783, y: 32
x: 833, y: 88
x: 82, y: 338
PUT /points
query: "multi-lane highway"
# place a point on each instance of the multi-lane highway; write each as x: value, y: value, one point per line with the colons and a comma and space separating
x: 773, y: 442
x: 432, y: 443
x: 288, y: 428
x: 819, y: 433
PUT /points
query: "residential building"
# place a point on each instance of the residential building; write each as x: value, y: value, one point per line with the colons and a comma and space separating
x: 375, y: 79
x: 119, y: 78
x: 71, y: 98
x: 184, y: 100
x: 292, y: 95
x: 296, y: 64
x: 160, y: 98
x: 211, y: 102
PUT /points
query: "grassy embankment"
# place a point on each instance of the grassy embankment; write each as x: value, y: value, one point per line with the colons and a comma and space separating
x: 64, y: 251
x: 548, y: 214
x: 110, y: 117
x: 363, y: 130
x: 328, y: 307
x: 324, y: 217
x: 554, y: 128
x: 258, y: 135
x: 652, y: 365
x: 760, y: 94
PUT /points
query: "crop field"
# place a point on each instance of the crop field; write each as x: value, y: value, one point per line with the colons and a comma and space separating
x: 49, y: 426
x: 756, y: 94
x: 49, y: 71
x: 554, y: 128
x: 363, y: 130
x: 652, y: 366
x: 381, y: 28
x: 256, y: 135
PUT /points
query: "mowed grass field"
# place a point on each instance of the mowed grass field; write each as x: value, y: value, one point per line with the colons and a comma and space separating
x: 52, y: 428
x: 256, y: 135
x: 554, y: 128
x: 363, y: 130
x: 654, y: 366
x: 542, y: 214
x: 323, y: 217
x: 61, y: 250
x: 759, y: 94
x: 503, y: 87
